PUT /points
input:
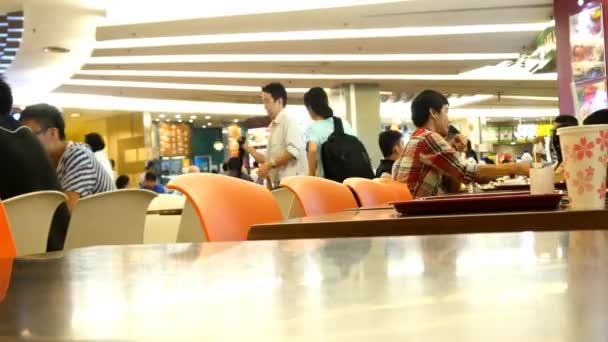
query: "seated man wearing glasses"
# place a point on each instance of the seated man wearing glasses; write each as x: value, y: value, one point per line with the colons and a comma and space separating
x: 79, y: 173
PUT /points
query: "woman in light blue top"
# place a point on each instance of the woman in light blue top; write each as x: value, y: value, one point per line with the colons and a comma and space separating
x: 318, y: 132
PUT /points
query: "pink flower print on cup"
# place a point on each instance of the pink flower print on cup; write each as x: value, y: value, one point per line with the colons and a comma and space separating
x: 602, y: 141
x: 583, y: 179
x: 602, y: 190
x: 585, y: 149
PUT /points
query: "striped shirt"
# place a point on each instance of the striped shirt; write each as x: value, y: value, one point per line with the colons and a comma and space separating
x: 80, y: 172
x: 428, y: 158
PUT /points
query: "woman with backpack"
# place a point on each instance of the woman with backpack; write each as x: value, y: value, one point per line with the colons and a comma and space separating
x: 332, y: 141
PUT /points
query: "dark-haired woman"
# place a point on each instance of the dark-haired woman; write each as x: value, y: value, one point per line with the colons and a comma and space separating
x: 318, y: 132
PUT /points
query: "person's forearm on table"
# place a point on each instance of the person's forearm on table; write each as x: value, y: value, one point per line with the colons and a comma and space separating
x: 487, y: 173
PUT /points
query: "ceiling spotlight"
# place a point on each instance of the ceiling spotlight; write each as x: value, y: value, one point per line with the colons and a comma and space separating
x: 204, y: 126
x: 162, y: 116
x: 190, y: 121
x: 179, y: 121
x: 207, y: 117
x: 193, y: 117
x: 177, y: 116
x: 209, y: 123
x: 75, y: 115
x: 55, y: 49
x: 236, y: 120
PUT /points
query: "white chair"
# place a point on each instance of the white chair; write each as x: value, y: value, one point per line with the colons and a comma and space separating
x: 109, y: 218
x: 30, y: 217
x: 163, y: 228
x: 190, y: 226
x: 288, y: 203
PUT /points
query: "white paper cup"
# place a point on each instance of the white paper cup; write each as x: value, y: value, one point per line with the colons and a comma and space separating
x: 541, y: 181
x: 585, y: 154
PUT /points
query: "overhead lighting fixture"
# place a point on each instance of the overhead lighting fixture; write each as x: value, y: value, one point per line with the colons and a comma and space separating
x: 419, y: 31
x: 104, y: 102
x: 180, y: 86
x: 218, y: 146
x: 236, y: 120
x: 347, y: 77
x: 240, y: 58
x: 75, y: 115
x: 207, y: 117
x: 121, y: 12
x: 178, y: 116
x: 192, y: 117
x: 162, y: 116
x: 209, y: 123
x: 55, y: 49
x: 190, y: 121
x: 180, y: 121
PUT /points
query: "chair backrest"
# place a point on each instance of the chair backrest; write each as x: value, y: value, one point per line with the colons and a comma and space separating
x: 162, y: 228
x: 109, y: 218
x: 400, y: 190
x: 288, y: 203
x: 30, y: 216
x: 7, y: 244
x: 226, y: 206
x: 319, y: 196
x: 370, y: 193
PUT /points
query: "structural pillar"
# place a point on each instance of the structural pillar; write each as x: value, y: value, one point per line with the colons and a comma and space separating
x: 359, y: 104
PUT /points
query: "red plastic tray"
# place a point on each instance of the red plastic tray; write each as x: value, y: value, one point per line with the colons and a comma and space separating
x: 478, y: 204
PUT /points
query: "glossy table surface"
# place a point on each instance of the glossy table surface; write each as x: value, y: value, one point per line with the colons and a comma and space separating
x: 477, y: 287
x: 387, y: 222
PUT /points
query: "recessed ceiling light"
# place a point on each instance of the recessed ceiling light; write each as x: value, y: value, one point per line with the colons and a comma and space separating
x: 236, y: 120
x: 238, y: 58
x: 323, y: 35
x: 209, y: 123
x: 190, y: 121
x: 180, y: 121
x: 178, y: 116
x: 162, y: 116
x: 192, y: 117
x: 207, y: 117
x: 75, y: 115
x: 204, y: 126
x: 55, y: 49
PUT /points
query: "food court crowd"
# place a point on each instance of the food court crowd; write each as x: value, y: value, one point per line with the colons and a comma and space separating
x: 35, y: 155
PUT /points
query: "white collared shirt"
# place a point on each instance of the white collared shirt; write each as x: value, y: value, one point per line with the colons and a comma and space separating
x: 286, y: 135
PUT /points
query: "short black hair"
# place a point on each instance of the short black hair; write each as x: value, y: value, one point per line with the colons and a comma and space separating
x: 599, y: 117
x: 150, y: 176
x: 122, y: 181
x: 387, y: 140
x: 316, y: 100
x: 277, y: 91
x: 46, y: 116
x: 566, y: 120
x: 6, y: 98
x: 423, y: 103
x: 95, y: 140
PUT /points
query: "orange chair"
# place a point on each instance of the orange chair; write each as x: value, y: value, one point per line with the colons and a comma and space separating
x: 7, y: 244
x: 401, y: 191
x: 227, y: 206
x: 370, y: 193
x: 319, y: 196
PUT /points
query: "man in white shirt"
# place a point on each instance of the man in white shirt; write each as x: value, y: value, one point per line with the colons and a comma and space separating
x: 286, y: 152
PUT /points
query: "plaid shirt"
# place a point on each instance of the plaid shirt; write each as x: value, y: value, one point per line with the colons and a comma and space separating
x: 426, y: 159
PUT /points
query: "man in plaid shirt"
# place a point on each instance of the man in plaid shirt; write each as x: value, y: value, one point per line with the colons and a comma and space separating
x: 430, y: 165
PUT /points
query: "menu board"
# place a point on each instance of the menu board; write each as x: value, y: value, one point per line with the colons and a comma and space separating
x: 490, y: 133
x: 174, y: 139
x: 591, y: 97
x: 587, y: 43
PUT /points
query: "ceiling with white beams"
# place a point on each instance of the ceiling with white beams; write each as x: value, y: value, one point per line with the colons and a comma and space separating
x: 187, y: 56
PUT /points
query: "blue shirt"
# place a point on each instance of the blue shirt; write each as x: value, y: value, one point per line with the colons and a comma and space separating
x: 159, y: 189
x: 319, y: 131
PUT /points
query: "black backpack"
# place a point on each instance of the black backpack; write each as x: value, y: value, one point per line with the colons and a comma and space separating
x: 344, y: 156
